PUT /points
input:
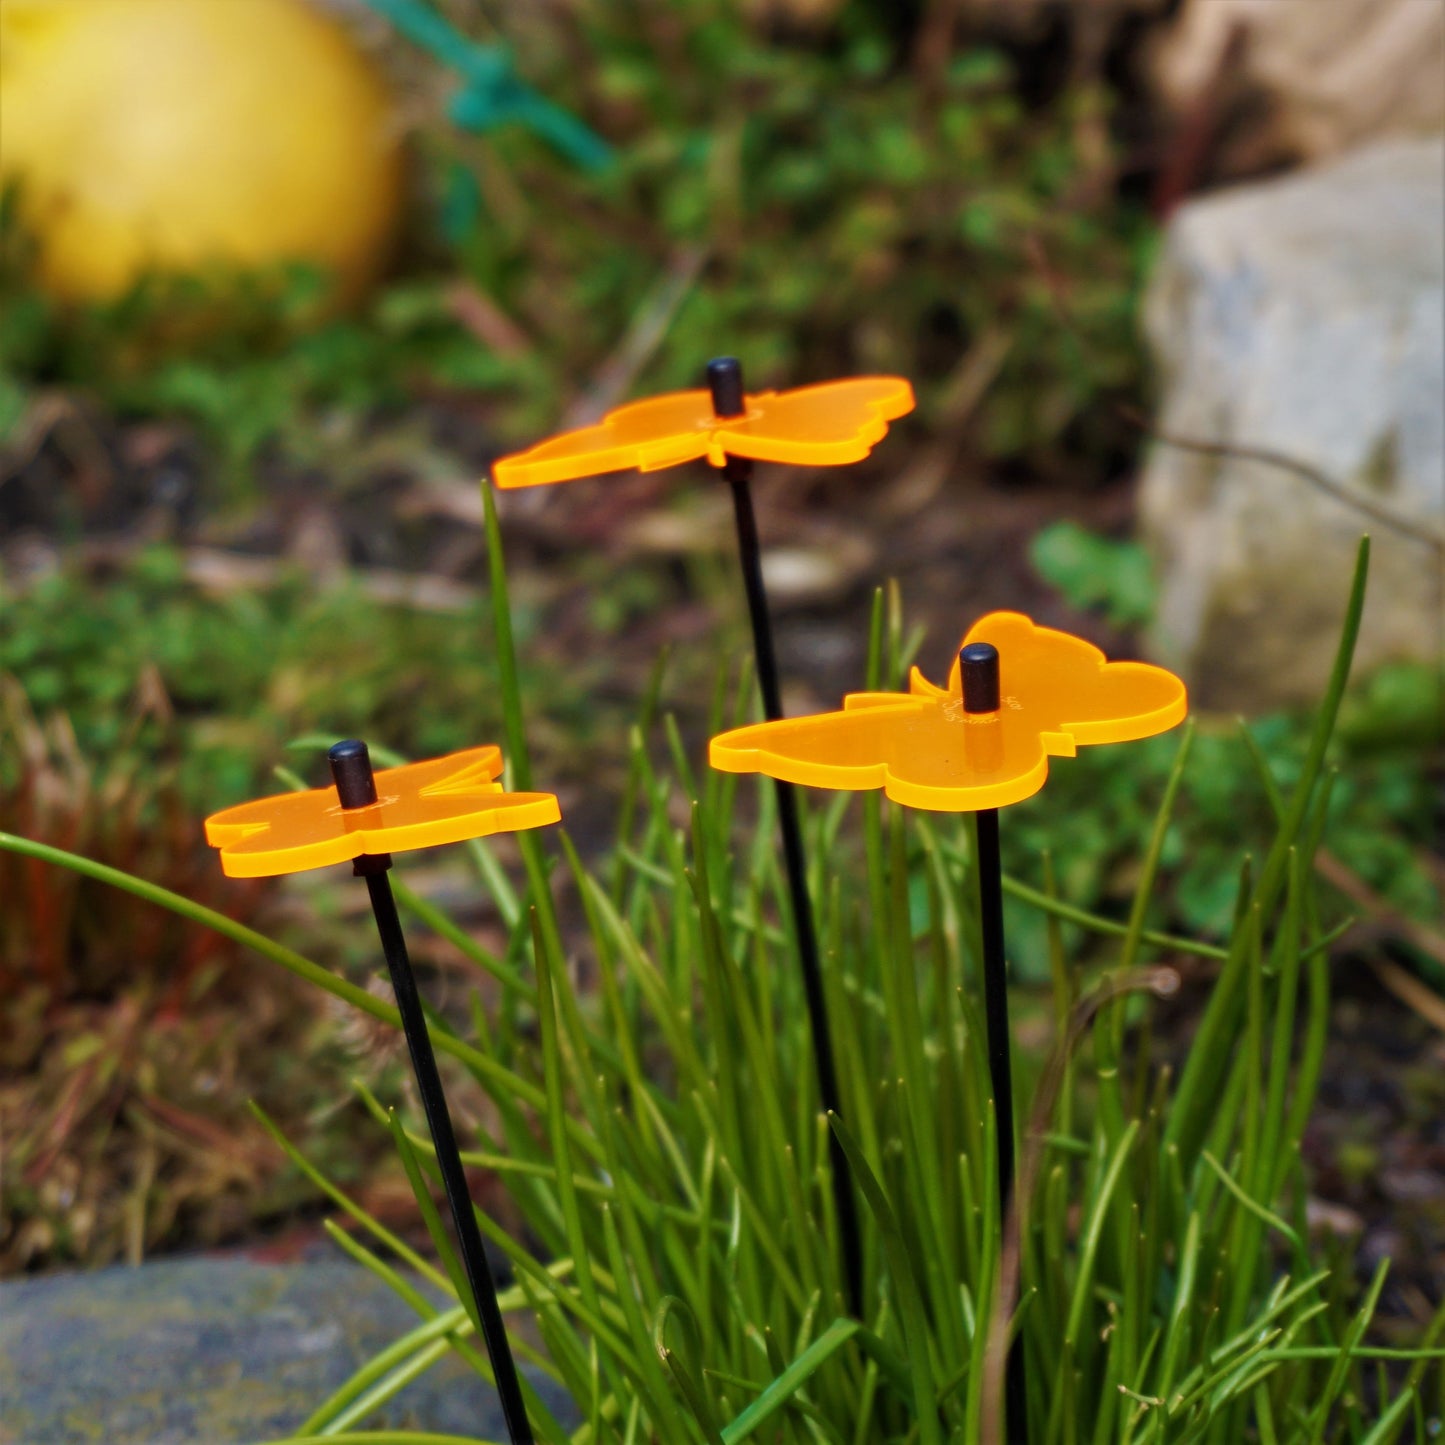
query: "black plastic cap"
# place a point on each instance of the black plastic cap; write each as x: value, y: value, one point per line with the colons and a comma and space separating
x: 351, y: 772
x: 978, y: 666
x: 725, y: 381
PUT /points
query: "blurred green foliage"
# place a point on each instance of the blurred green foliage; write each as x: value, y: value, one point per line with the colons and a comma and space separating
x: 242, y: 358
x: 1383, y: 806
x: 862, y: 207
x: 1111, y: 574
x: 247, y: 672
x: 841, y: 199
x: 1095, y: 813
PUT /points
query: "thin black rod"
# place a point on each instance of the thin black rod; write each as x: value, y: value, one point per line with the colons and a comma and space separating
x: 439, y: 1121
x: 995, y: 1005
x: 738, y: 472
x: 981, y: 689
x: 995, y: 994
x: 355, y: 790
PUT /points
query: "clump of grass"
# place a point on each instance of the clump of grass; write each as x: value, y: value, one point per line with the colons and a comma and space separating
x: 657, y: 1131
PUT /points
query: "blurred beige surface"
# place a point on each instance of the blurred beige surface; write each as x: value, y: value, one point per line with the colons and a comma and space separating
x: 1329, y: 73
x: 1273, y: 81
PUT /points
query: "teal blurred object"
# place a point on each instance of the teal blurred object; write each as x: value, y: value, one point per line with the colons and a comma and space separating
x: 492, y: 93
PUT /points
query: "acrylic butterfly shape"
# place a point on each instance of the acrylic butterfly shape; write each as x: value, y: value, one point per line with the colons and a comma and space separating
x: 1056, y: 692
x: 420, y: 805
x: 830, y: 424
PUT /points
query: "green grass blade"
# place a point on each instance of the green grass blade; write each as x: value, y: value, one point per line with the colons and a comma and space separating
x: 519, y: 761
x: 441, y: 923
x: 368, y: 1222
x: 384, y: 1437
x: 790, y: 1381
x: 909, y: 1293
x: 1144, y: 891
x: 681, y: 1360
x: 1272, y: 874
x: 431, y: 1217
x: 382, y: 1363
x: 1390, y: 1422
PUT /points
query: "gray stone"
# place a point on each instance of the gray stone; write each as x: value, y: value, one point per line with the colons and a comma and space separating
x: 1304, y: 316
x: 213, y: 1349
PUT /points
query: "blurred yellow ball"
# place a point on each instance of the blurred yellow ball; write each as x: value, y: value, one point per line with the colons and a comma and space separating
x: 173, y: 135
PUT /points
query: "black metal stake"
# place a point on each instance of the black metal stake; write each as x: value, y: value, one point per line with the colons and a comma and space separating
x: 356, y: 788
x: 725, y: 379
x: 979, y: 670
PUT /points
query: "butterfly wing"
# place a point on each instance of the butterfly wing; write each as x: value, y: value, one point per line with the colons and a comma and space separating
x: 450, y: 799
x: 827, y: 425
x: 283, y: 834
x: 419, y: 805
x: 1067, y: 689
x: 922, y: 751
x: 846, y: 750
x: 663, y: 431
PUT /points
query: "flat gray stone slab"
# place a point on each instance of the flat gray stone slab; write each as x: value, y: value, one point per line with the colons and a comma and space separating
x: 212, y: 1349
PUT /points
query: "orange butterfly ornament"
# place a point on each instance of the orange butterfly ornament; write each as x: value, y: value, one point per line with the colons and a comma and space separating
x: 420, y: 805
x: 921, y: 747
x: 829, y: 424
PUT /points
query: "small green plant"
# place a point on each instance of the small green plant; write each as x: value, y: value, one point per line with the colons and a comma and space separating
x: 657, y: 1133
x: 1091, y: 571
